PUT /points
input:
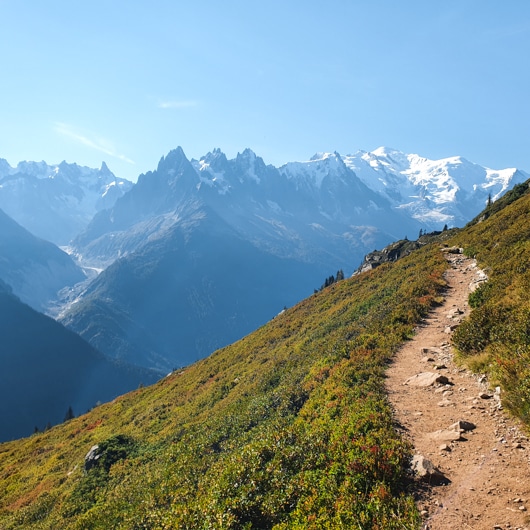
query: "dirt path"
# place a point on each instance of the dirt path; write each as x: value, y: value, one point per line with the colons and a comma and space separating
x: 488, y: 468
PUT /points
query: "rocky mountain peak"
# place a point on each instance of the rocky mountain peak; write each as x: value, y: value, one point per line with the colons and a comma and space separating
x: 174, y: 160
x: 215, y: 160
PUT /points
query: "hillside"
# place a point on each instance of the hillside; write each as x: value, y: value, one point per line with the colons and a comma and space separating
x: 496, y: 337
x: 289, y: 427
x: 36, y: 269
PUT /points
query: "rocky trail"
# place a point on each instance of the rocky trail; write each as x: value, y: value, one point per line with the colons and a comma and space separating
x: 473, y: 458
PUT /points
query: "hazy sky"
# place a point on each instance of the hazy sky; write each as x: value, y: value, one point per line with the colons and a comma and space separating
x: 127, y: 81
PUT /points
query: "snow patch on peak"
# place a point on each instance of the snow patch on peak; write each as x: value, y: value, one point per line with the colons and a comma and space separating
x: 209, y: 176
x: 214, y: 157
x: 389, y: 158
x: 325, y: 156
x: 498, y: 181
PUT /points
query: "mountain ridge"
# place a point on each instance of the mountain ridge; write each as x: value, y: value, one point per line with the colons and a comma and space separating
x: 429, y: 189
x: 55, y: 202
x: 47, y: 368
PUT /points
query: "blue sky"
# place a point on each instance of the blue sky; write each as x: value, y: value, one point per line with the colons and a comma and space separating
x: 127, y: 81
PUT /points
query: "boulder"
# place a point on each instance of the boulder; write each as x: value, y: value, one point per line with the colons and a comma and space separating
x: 463, y: 426
x: 426, y: 379
x: 426, y: 471
x: 92, y: 457
x: 452, y: 250
x: 445, y: 435
x: 426, y: 351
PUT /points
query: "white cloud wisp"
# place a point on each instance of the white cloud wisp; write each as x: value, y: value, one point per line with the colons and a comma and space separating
x: 173, y: 104
x: 98, y: 144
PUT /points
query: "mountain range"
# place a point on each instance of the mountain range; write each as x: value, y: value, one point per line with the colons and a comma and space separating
x: 198, y: 253
x: 201, y: 252
x: 447, y: 191
x: 55, y: 202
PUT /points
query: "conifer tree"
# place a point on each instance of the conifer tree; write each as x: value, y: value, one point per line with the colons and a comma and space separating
x: 69, y: 414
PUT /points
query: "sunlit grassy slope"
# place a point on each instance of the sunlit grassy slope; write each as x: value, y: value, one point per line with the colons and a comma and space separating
x: 287, y: 428
x: 496, y: 338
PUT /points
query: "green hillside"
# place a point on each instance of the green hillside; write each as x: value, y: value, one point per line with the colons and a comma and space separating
x: 496, y: 338
x: 287, y: 428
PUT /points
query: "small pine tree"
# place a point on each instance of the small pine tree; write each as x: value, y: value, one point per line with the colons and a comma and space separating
x: 340, y: 275
x: 69, y: 414
x: 445, y: 228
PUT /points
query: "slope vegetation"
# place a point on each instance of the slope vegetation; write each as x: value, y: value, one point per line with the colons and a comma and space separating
x: 287, y: 428
x: 496, y: 337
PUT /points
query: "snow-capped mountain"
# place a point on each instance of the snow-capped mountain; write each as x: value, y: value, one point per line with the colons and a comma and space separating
x: 435, y: 192
x: 56, y: 202
x: 317, y: 211
x: 204, y: 251
x: 199, y: 252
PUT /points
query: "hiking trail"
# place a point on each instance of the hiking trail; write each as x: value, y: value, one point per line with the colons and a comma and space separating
x: 480, y: 454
